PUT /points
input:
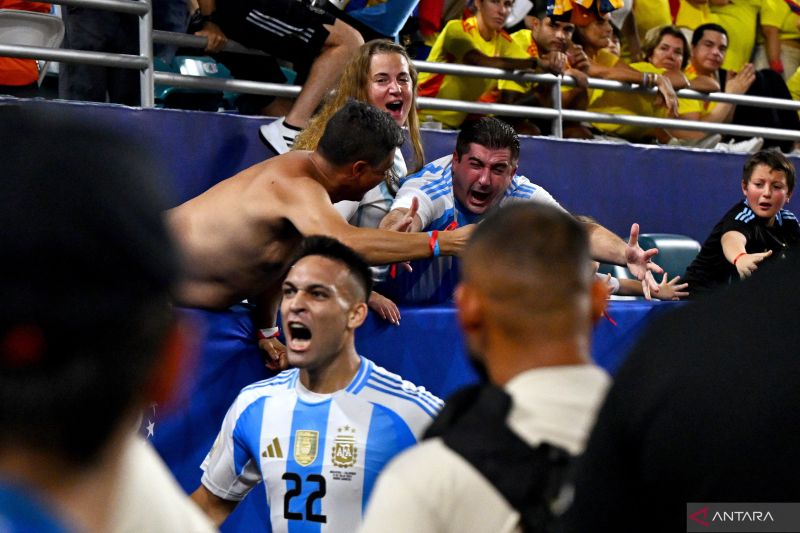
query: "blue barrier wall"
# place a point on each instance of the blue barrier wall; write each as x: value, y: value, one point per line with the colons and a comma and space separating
x: 669, y: 190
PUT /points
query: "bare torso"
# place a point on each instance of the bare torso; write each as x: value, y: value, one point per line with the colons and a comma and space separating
x: 233, y: 238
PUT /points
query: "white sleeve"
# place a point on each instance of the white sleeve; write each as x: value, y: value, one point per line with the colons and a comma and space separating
x: 541, y: 196
x: 398, y: 507
x: 346, y: 208
x: 410, y: 189
x: 221, y: 473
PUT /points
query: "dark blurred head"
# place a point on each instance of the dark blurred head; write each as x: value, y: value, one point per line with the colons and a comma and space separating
x: 86, y: 267
x: 359, y: 132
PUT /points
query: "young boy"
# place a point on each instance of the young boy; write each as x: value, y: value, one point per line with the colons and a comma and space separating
x: 752, y: 230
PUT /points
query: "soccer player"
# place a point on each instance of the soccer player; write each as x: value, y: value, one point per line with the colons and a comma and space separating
x: 462, y: 188
x: 317, y: 434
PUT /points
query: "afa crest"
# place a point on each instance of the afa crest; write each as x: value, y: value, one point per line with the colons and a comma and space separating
x: 344, y: 452
x: 306, y: 444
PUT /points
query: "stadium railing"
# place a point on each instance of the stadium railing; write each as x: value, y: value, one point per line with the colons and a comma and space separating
x: 144, y: 63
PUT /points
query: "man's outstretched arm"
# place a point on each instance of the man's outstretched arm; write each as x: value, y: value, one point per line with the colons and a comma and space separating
x: 606, y: 247
x: 310, y: 211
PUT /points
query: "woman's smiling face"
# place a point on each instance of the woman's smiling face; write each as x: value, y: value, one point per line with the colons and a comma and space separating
x: 390, y: 85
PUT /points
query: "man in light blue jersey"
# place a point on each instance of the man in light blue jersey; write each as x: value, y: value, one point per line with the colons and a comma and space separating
x: 318, y: 434
x: 461, y: 188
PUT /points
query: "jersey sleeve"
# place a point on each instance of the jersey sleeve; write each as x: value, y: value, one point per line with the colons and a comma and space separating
x: 522, y: 189
x: 741, y: 220
x: 515, y: 51
x: 456, y: 42
x: 229, y: 471
x: 413, y: 187
x: 346, y: 208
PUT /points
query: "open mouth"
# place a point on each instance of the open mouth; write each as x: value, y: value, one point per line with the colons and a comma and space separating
x: 299, y: 336
x: 395, y: 106
x: 480, y: 196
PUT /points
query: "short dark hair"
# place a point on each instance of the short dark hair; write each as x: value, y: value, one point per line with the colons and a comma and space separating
x: 490, y: 133
x: 86, y: 268
x: 775, y: 160
x: 555, y: 255
x: 654, y: 36
x: 359, y: 132
x: 702, y: 28
x: 332, y: 249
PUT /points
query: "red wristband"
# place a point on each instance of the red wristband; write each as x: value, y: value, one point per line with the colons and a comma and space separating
x: 776, y: 65
x: 433, y: 243
x: 268, y: 333
x: 737, y: 257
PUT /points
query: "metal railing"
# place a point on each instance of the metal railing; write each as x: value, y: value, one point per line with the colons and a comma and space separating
x: 148, y: 77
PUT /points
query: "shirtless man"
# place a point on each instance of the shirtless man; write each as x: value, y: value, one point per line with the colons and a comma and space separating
x: 238, y: 236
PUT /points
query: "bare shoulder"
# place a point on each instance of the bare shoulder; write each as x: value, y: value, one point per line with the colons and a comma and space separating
x: 287, y: 180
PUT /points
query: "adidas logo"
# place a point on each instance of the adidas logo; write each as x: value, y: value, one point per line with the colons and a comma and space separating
x: 273, y: 450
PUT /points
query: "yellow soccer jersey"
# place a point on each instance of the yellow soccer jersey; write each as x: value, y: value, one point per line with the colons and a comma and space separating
x: 691, y: 16
x: 620, y: 103
x: 687, y: 105
x: 650, y: 14
x: 458, y: 38
x: 777, y: 13
x: 739, y: 20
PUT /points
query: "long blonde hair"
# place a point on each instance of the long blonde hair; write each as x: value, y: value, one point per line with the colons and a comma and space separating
x: 353, y: 83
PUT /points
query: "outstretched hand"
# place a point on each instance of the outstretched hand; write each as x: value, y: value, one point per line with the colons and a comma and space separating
x: 748, y: 263
x: 404, y: 224
x: 640, y: 264
x: 275, y: 354
x: 672, y: 289
x: 385, y: 308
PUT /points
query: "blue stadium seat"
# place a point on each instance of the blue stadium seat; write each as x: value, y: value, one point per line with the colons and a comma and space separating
x: 675, y: 254
x: 190, y: 98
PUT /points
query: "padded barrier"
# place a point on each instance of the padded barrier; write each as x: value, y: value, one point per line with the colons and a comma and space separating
x: 665, y: 189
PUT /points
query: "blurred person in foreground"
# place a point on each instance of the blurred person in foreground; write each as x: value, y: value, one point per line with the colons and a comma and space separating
x: 88, y: 338
x: 703, y: 410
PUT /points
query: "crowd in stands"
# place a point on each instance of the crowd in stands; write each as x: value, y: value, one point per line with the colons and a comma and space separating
x: 651, y: 44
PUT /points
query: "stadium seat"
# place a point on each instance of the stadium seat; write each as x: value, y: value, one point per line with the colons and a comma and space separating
x: 675, y: 254
x: 31, y: 29
x: 190, y: 98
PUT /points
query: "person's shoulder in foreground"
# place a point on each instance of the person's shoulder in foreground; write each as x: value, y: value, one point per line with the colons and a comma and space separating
x: 702, y: 411
x: 493, y: 458
x: 88, y: 337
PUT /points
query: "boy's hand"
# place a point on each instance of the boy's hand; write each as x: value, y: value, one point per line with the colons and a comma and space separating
x: 672, y: 289
x: 748, y: 263
x: 385, y: 308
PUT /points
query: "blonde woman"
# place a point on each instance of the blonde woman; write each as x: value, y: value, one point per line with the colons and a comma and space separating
x: 382, y: 75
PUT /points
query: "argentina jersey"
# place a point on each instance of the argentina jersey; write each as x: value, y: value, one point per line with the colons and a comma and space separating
x: 318, y: 454
x: 434, y: 280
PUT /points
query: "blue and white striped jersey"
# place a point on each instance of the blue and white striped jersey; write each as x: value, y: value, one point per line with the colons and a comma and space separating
x: 319, y: 454
x: 433, y: 280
